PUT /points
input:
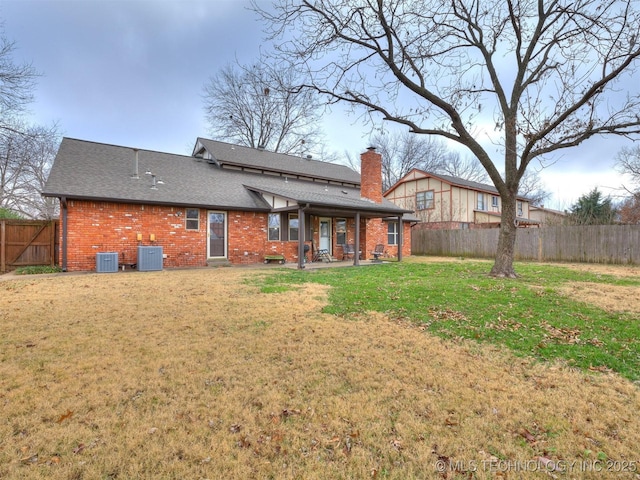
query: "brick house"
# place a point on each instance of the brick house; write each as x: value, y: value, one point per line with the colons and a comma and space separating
x: 446, y: 202
x: 224, y: 203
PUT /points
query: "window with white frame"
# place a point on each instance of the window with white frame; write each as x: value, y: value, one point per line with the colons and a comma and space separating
x: 294, y: 226
x: 392, y: 233
x: 494, y: 203
x: 424, y: 200
x: 520, y: 208
x: 192, y: 219
x: 274, y: 226
x: 480, y: 201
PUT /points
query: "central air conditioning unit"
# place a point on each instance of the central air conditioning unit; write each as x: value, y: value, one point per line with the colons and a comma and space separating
x: 149, y: 259
x: 107, y: 262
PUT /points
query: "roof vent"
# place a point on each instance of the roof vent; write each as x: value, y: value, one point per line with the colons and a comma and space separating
x: 135, y: 175
x: 261, y: 147
x: 154, y: 181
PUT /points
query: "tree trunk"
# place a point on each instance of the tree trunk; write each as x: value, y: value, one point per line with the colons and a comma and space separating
x: 503, y: 266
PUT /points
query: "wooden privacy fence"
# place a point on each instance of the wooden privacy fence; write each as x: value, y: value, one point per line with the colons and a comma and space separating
x: 27, y: 242
x: 590, y: 244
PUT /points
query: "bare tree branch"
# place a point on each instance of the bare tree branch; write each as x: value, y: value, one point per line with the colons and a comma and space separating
x: 26, y: 156
x: 548, y: 74
x: 258, y: 106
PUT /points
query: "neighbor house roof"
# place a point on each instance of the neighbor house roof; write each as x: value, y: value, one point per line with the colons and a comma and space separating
x: 460, y: 182
x: 98, y: 171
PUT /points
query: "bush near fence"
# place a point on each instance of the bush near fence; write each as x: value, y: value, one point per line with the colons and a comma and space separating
x: 590, y: 244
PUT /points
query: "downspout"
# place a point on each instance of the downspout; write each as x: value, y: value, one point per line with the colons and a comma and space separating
x: 63, y: 204
x: 400, y: 237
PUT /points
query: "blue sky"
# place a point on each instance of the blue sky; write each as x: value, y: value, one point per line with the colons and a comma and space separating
x: 131, y: 72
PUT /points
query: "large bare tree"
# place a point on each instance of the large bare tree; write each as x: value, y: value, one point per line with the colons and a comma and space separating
x: 511, y: 80
x: 628, y: 163
x: 467, y: 167
x: 401, y: 152
x: 26, y: 156
x: 26, y: 151
x: 531, y: 187
x: 256, y: 106
x: 17, y: 82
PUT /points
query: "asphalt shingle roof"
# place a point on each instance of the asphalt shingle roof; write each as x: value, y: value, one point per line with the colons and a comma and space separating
x: 226, y: 153
x: 100, y: 171
x: 461, y: 182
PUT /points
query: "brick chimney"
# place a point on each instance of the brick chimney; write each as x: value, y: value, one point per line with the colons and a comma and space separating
x: 371, y: 175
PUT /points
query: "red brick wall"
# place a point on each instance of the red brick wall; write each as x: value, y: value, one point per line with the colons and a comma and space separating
x: 248, y: 242
x: 377, y: 232
x: 94, y: 227
x: 371, y: 175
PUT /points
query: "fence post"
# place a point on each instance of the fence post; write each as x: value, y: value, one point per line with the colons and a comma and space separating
x: 3, y: 252
x: 540, y: 235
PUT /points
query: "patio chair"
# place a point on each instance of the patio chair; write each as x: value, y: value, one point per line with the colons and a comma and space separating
x: 322, y: 255
x: 348, y: 251
x: 378, y: 252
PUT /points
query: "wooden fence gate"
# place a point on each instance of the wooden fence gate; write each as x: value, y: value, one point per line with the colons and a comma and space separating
x: 28, y: 242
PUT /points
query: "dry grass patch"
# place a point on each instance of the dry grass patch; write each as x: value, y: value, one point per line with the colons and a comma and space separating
x: 613, y: 298
x: 621, y: 271
x: 196, y: 374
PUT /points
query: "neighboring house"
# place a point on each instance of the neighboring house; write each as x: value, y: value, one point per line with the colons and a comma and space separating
x: 548, y: 217
x: 225, y: 203
x: 445, y: 202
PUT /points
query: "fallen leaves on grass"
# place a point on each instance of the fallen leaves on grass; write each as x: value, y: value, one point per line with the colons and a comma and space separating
x: 502, y: 324
x: 65, y: 416
x: 447, y: 314
x: 31, y: 459
x: 528, y: 436
x: 564, y: 335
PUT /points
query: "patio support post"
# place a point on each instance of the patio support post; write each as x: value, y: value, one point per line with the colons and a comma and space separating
x: 301, y: 237
x: 400, y: 237
x: 356, y: 256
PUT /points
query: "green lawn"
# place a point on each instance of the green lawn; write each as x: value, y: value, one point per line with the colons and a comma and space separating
x: 459, y: 300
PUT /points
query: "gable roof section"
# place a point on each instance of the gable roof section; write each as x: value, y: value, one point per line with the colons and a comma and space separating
x: 99, y: 171
x: 226, y: 154
x: 103, y: 172
x: 318, y: 195
x: 455, y: 181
